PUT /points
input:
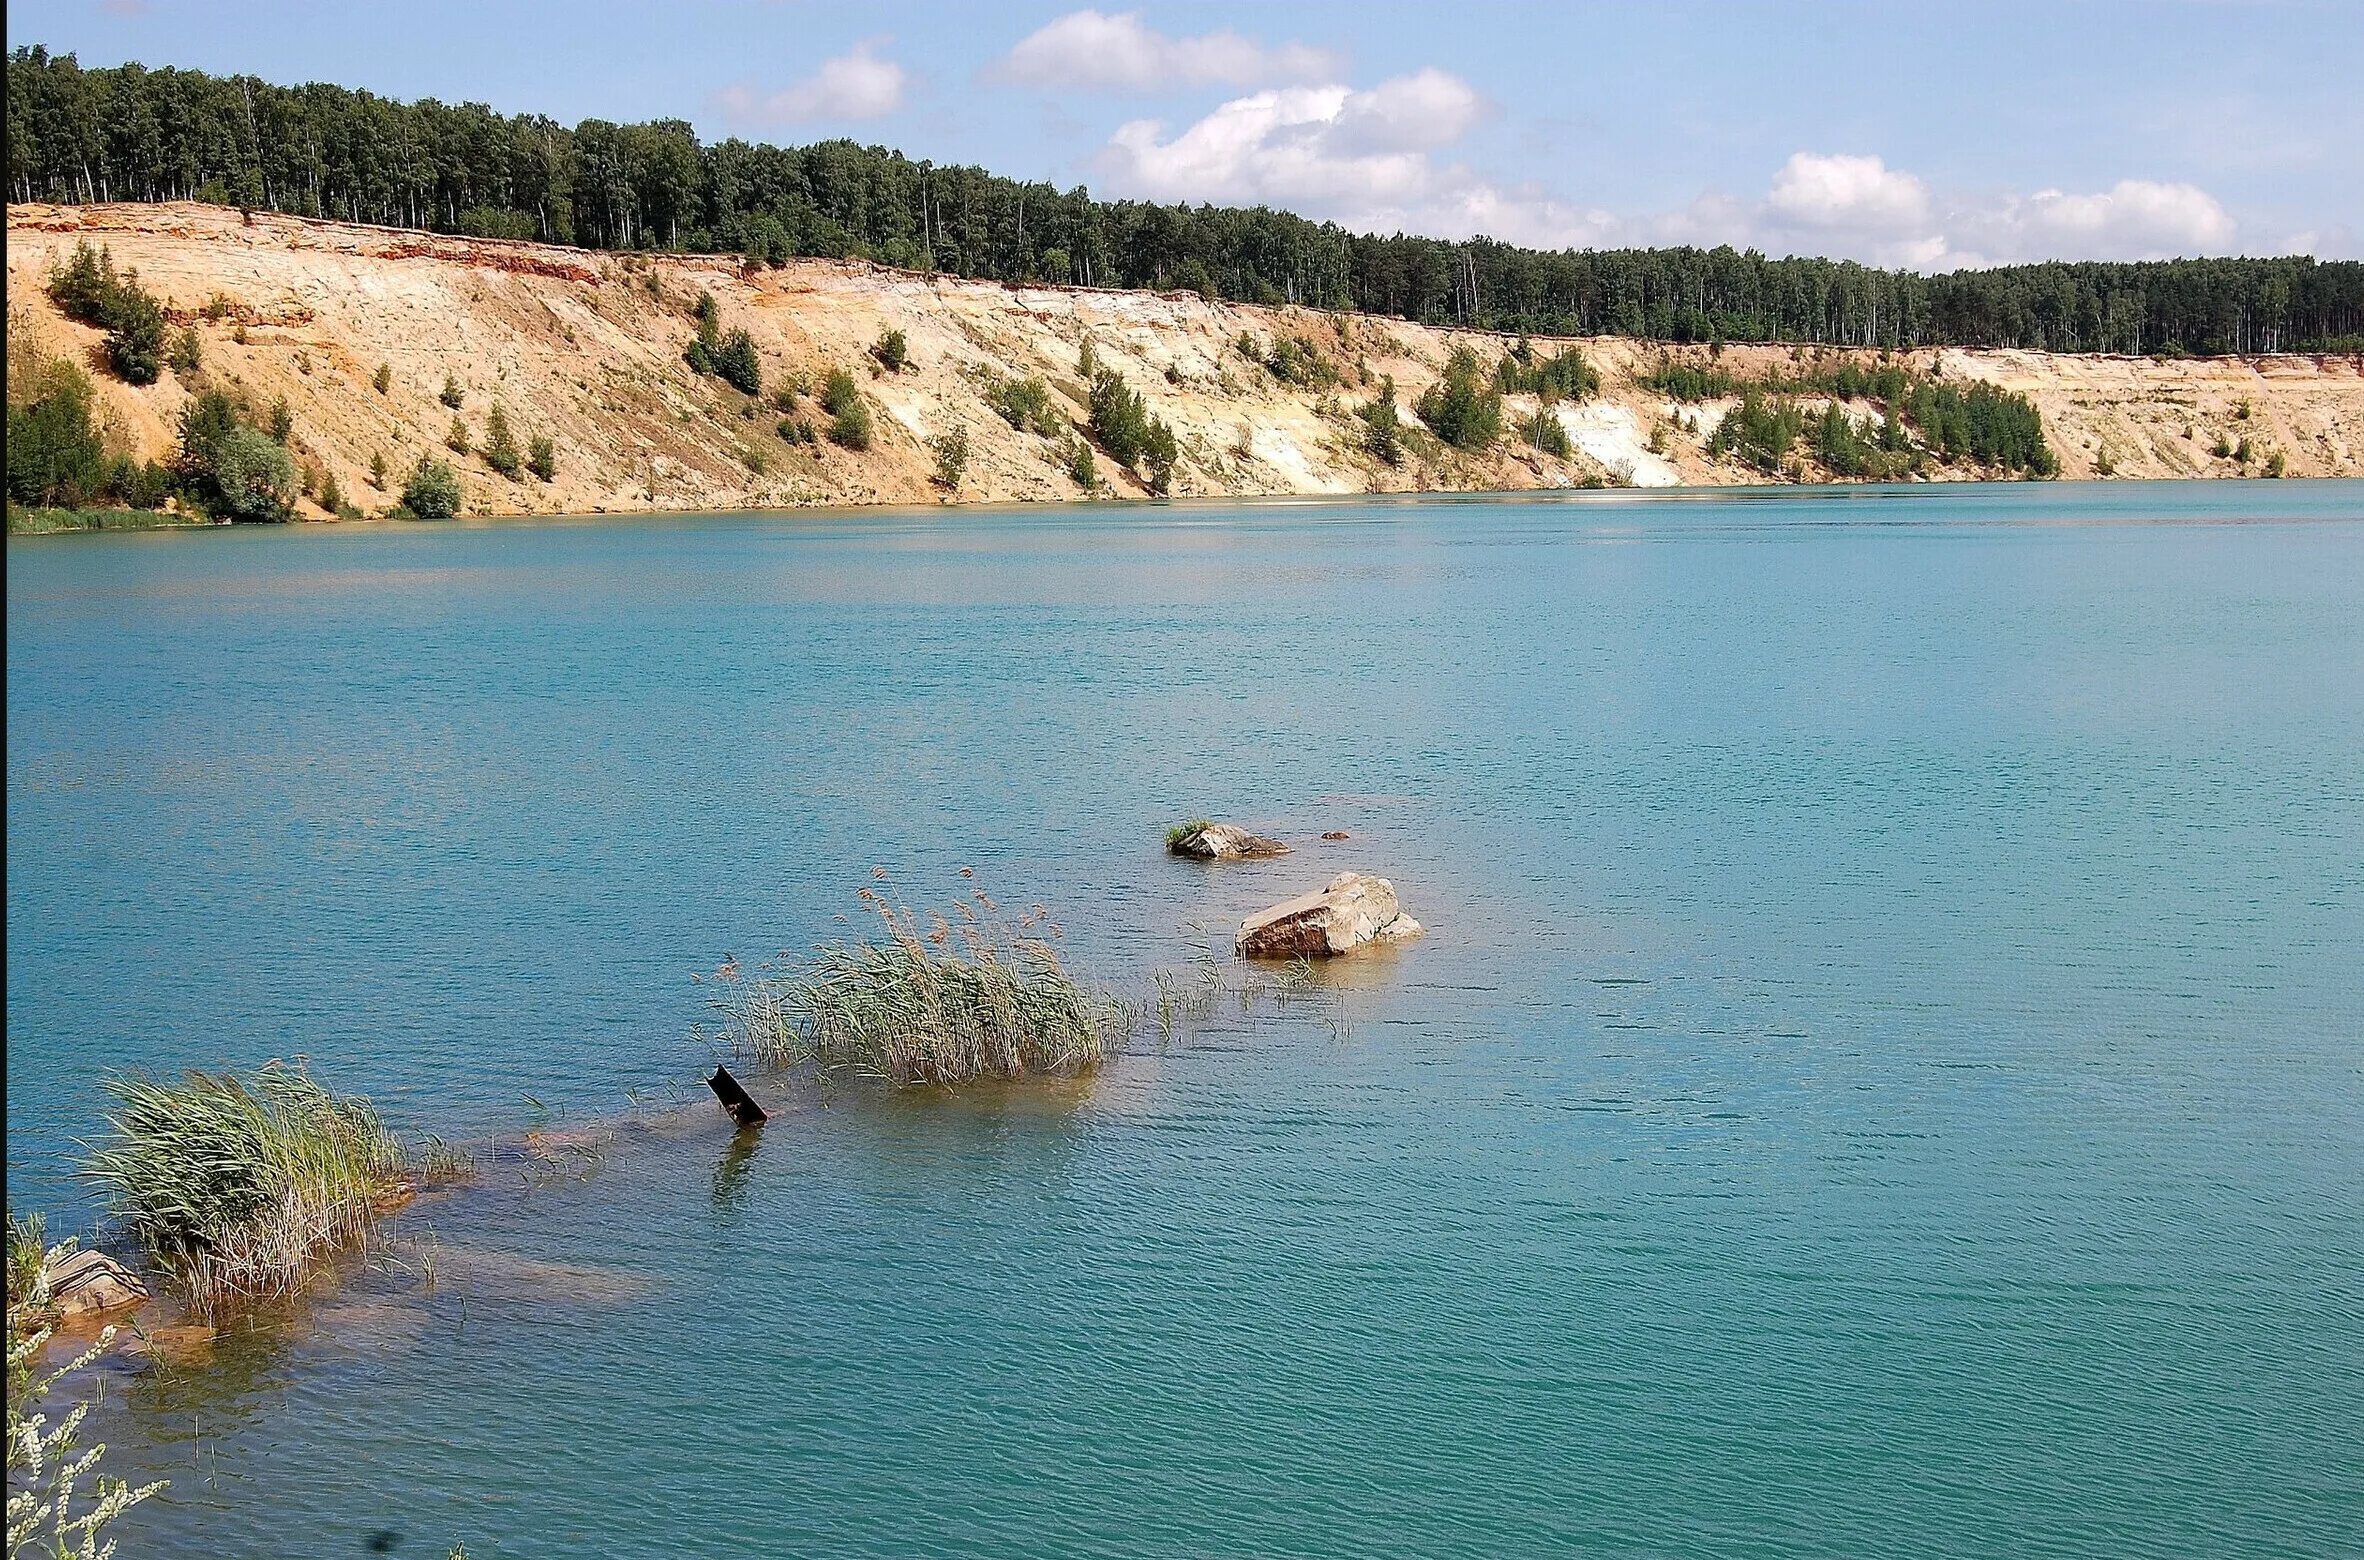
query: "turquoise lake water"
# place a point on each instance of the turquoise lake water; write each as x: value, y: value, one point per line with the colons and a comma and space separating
x: 1885, y: 1076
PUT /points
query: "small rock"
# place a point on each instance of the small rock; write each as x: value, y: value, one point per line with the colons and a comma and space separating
x: 186, y: 1343
x: 86, y: 1281
x: 1226, y: 842
x: 1355, y: 909
x: 1336, y: 834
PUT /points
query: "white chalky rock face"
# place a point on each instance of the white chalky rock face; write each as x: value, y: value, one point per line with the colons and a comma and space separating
x: 1355, y: 909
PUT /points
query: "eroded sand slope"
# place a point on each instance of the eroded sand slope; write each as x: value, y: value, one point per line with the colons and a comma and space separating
x: 588, y: 349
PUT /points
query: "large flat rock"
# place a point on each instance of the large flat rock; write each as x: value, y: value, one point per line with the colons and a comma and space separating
x: 1355, y: 909
x: 89, y: 1281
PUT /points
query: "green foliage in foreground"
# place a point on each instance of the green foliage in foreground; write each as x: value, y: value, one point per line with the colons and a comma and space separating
x: 234, y: 1186
x: 28, y: 1251
x: 965, y: 997
x: 1977, y: 422
x: 47, y: 1464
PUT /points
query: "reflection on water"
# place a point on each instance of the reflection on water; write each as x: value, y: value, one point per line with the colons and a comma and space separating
x: 1881, y: 1077
x: 730, y: 1174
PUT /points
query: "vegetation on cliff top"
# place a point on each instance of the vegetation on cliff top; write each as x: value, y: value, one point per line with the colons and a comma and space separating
x: 131, y: 133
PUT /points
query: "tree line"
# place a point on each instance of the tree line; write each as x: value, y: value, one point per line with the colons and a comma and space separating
x: 129, y: 133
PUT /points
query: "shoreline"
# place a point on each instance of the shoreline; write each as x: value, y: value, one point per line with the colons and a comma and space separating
x: 1773, y: 491
x: 385, y: 347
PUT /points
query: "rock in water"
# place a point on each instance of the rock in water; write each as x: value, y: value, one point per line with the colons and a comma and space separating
x: 85, y: 1281
x: 1355, y: 909
x: 1226, y: 842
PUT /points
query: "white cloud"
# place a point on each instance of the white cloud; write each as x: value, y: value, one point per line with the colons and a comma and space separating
x: 1364, y: 158
x: 1859, y: 207
x: 1379, y: 159
x: 1418, y: 112
x: 1847, y: 194
x: 858, y: 84
x: 2134, y: 219
x: 1091, y: 49
x: 2335, y: 241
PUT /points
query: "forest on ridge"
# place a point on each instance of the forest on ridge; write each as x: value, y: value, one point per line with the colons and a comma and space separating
x: 131, y: 133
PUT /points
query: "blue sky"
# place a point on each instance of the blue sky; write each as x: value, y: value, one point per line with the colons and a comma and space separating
x: 1924, y: 134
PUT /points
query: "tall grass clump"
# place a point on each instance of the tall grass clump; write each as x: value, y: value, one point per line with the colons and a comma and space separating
x: 965, y: 997
x: 235, y: 1185
x: 28, y: 1251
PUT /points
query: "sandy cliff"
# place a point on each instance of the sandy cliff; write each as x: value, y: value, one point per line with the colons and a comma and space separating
x: 588, y: 349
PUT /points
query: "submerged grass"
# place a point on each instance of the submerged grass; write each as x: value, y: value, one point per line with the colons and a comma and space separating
x: 234, y: 1186
x: 967, y: 996
x: 28, y: 521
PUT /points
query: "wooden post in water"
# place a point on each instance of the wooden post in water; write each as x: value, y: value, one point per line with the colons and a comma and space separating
x: 736, y: 1099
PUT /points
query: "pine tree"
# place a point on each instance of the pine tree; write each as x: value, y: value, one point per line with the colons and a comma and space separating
x: 849, y: 415
x: 737, y: 363
x: 1383, y: 425
x: 1461, y: 408
x: 500, y: 446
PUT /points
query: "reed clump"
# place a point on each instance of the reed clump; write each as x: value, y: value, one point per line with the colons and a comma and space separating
x: 959, y: 997
x: 29, y: 1254
x: 235, y: 1186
